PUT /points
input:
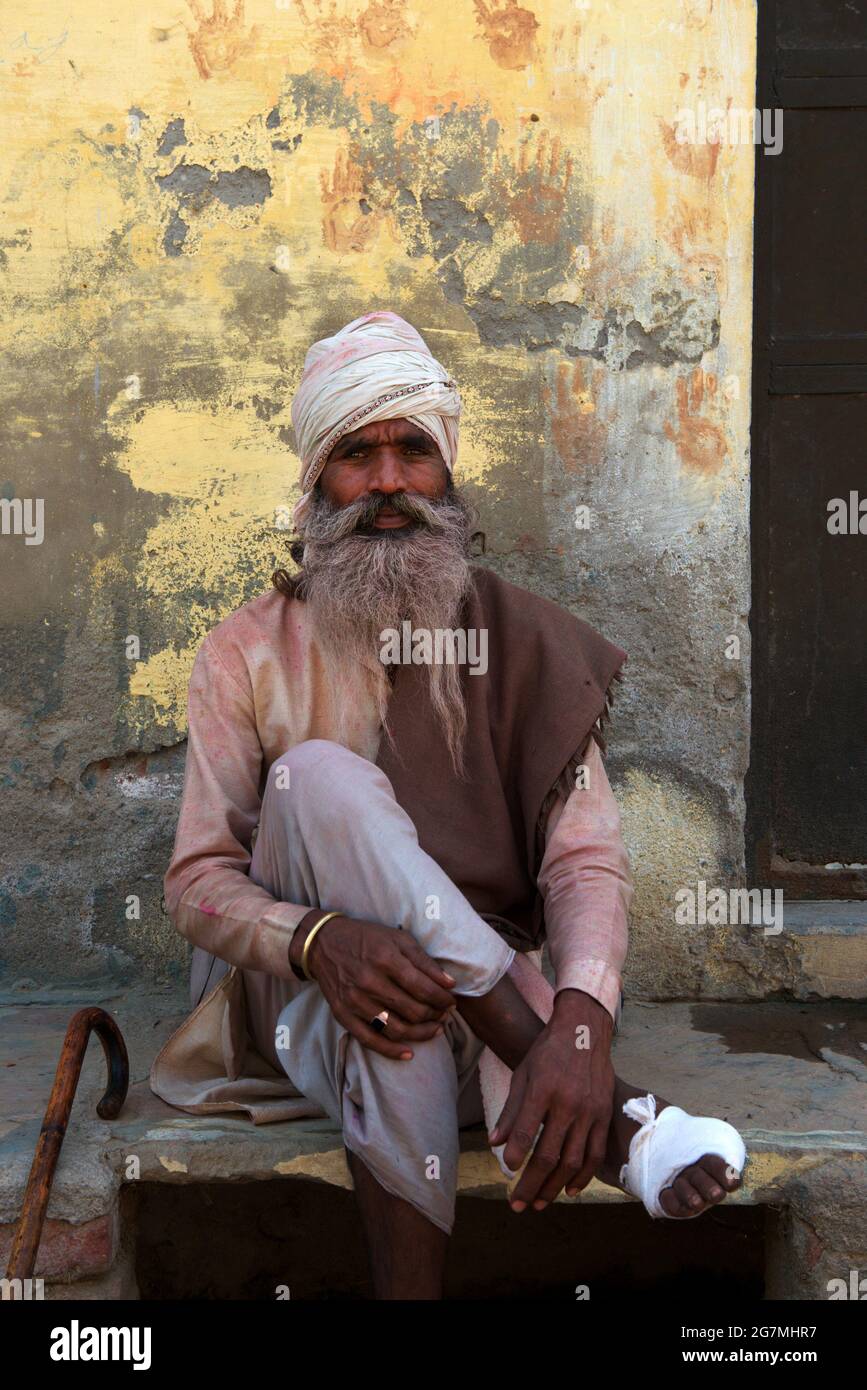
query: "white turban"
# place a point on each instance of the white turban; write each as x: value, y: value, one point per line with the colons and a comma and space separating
x: 376, y: 368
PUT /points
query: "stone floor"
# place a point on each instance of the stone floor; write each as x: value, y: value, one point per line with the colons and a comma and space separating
x: 791, y: 1076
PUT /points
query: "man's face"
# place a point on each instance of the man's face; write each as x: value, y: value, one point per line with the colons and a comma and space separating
x: 385, y: 541
x: 386, y: 457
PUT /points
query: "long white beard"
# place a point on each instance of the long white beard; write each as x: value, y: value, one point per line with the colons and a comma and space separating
x: 360, y: 585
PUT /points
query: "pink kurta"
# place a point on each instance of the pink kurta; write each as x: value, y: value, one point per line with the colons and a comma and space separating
x: 258, y: 688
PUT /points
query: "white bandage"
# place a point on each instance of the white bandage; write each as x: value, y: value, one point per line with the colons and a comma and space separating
x: 669, y: 1142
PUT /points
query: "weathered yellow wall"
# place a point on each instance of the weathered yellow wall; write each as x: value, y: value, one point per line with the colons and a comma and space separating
x: 192, y: 194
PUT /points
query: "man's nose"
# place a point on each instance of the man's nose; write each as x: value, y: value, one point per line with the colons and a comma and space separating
x: 387, y: 474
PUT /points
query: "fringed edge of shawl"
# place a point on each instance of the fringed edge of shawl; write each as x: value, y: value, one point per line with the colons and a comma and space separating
x: 565, y: 783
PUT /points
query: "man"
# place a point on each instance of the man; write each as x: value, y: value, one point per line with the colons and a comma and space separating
x: 377, y: 836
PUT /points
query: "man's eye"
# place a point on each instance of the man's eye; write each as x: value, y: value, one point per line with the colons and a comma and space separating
x: 362, y: 451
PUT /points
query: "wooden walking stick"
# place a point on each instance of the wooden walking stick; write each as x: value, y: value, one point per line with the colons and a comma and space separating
x: 26, y: 1243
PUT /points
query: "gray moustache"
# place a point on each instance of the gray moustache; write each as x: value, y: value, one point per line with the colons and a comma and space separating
x: 359, y: 517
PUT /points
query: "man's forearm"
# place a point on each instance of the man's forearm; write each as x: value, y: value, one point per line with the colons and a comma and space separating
x: 227, y: 914
x: 507, y: 1024
x: 503, y: 1020
x: 586, y: 884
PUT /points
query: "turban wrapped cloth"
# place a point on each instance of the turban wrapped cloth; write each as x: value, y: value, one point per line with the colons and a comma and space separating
x: 376, y: 368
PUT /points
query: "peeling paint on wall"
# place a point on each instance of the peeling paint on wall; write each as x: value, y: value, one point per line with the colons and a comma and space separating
x: 190, y: 200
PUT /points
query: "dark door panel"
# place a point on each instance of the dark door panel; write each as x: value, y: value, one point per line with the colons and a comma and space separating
x: 807, y: 786
x: 819, y: 220
x: 817, y: 635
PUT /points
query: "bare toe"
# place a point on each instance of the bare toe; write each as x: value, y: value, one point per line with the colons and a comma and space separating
x: 671, y: 1203
x: 681, y: 1198
x: 698, y: 1187
x: 728, y: 1178
x: 701, y: 1185
x: 704, y: 1183
x: 690, y: 1198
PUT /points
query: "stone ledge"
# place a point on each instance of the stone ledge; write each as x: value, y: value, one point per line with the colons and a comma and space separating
x: 198, y: 1151
x: 68, y: 1249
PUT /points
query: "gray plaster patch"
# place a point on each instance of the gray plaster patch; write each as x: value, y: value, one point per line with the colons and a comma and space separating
x: 173, y: 135
x: 175, y: 235
x: 320, y: 100
x: 187, y: 181
x: 242, y: 188
x: 195, y: 187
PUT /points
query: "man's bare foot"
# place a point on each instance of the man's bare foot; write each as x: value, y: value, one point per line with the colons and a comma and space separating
x: 703, y: 1184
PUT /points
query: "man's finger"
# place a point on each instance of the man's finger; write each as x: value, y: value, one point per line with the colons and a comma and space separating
x: 399, y: 1029
x: 401, y: 1001
x: 572, y: 1159
x: 420, y: 984
x: 376, y: 1041
x: 510, y: 1111
x: 544, y: 1162
x: 524, y: 1130
x: 420, y: 958
x: 594, y: 1155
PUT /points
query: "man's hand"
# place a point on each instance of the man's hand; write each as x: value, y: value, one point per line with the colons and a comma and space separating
x: 566, y: 1081
x: 363, y: 968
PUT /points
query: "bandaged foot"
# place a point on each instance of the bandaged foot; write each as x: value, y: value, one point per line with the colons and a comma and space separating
x: 678, y: 1164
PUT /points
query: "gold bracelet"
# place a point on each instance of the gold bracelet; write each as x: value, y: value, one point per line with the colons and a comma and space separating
x: 310, y: 935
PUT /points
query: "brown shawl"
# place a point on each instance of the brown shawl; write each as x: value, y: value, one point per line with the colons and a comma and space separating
x: 529, y: 717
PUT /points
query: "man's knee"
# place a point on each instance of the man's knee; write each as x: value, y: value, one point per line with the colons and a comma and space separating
x: 325, y: 779
x: 302, y: 760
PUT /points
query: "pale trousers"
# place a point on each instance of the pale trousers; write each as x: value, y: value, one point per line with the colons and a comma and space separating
x: 331, y: 834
